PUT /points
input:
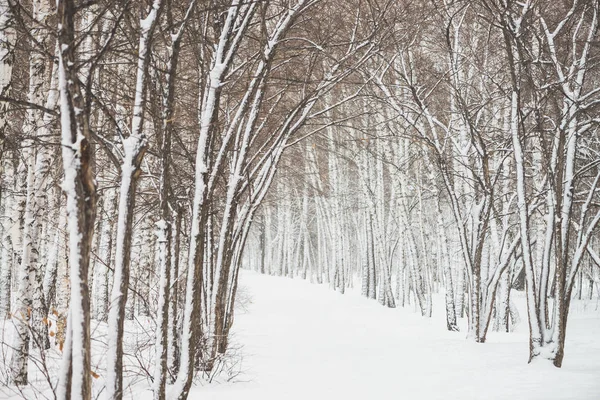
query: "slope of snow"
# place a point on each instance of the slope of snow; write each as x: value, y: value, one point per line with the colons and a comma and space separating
x: 303, y: 341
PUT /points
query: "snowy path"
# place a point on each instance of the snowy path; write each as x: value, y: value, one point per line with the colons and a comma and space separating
x: 304, y: 341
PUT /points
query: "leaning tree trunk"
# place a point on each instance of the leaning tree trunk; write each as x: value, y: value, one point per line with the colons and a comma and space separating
x: 209, y: 107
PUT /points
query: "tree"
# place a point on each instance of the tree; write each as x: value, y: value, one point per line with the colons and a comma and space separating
x: 79, y: 187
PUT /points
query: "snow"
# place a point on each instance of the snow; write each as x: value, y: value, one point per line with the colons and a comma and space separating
x: 215, y: 75
x: 161, y: 228
x: 298, y: 340
x: 304, y: 341
x: 146, y: 23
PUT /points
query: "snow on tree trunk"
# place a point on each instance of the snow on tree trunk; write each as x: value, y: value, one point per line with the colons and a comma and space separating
x: 134, y: 147
x: 165, y: 224
x: 535, y: 329
x: 237, y: 15
x: 79, y: 187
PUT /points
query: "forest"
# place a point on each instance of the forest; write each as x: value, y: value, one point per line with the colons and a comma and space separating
x: 430, y: 155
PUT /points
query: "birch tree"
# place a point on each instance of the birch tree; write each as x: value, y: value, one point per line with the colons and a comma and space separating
x: 7, y: 44
x: 164, y: 225
x: 79, y: 187
x: 565, y: 240
x: 33, y: 168
x: 134, y: 147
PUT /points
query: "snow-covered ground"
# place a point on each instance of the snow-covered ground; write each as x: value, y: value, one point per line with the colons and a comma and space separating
x: 297, y: 340
x: 303, y: 341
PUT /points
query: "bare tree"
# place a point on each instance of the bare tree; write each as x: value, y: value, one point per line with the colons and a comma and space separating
x: 79, y: 187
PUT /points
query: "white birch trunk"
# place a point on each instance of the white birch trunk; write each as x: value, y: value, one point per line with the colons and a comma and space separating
x: 8, y: 37
x: 6, y: 249
x: 104, y: 257
x: 30, y: 280
x: 134, y: 148
x: 79, y: 187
